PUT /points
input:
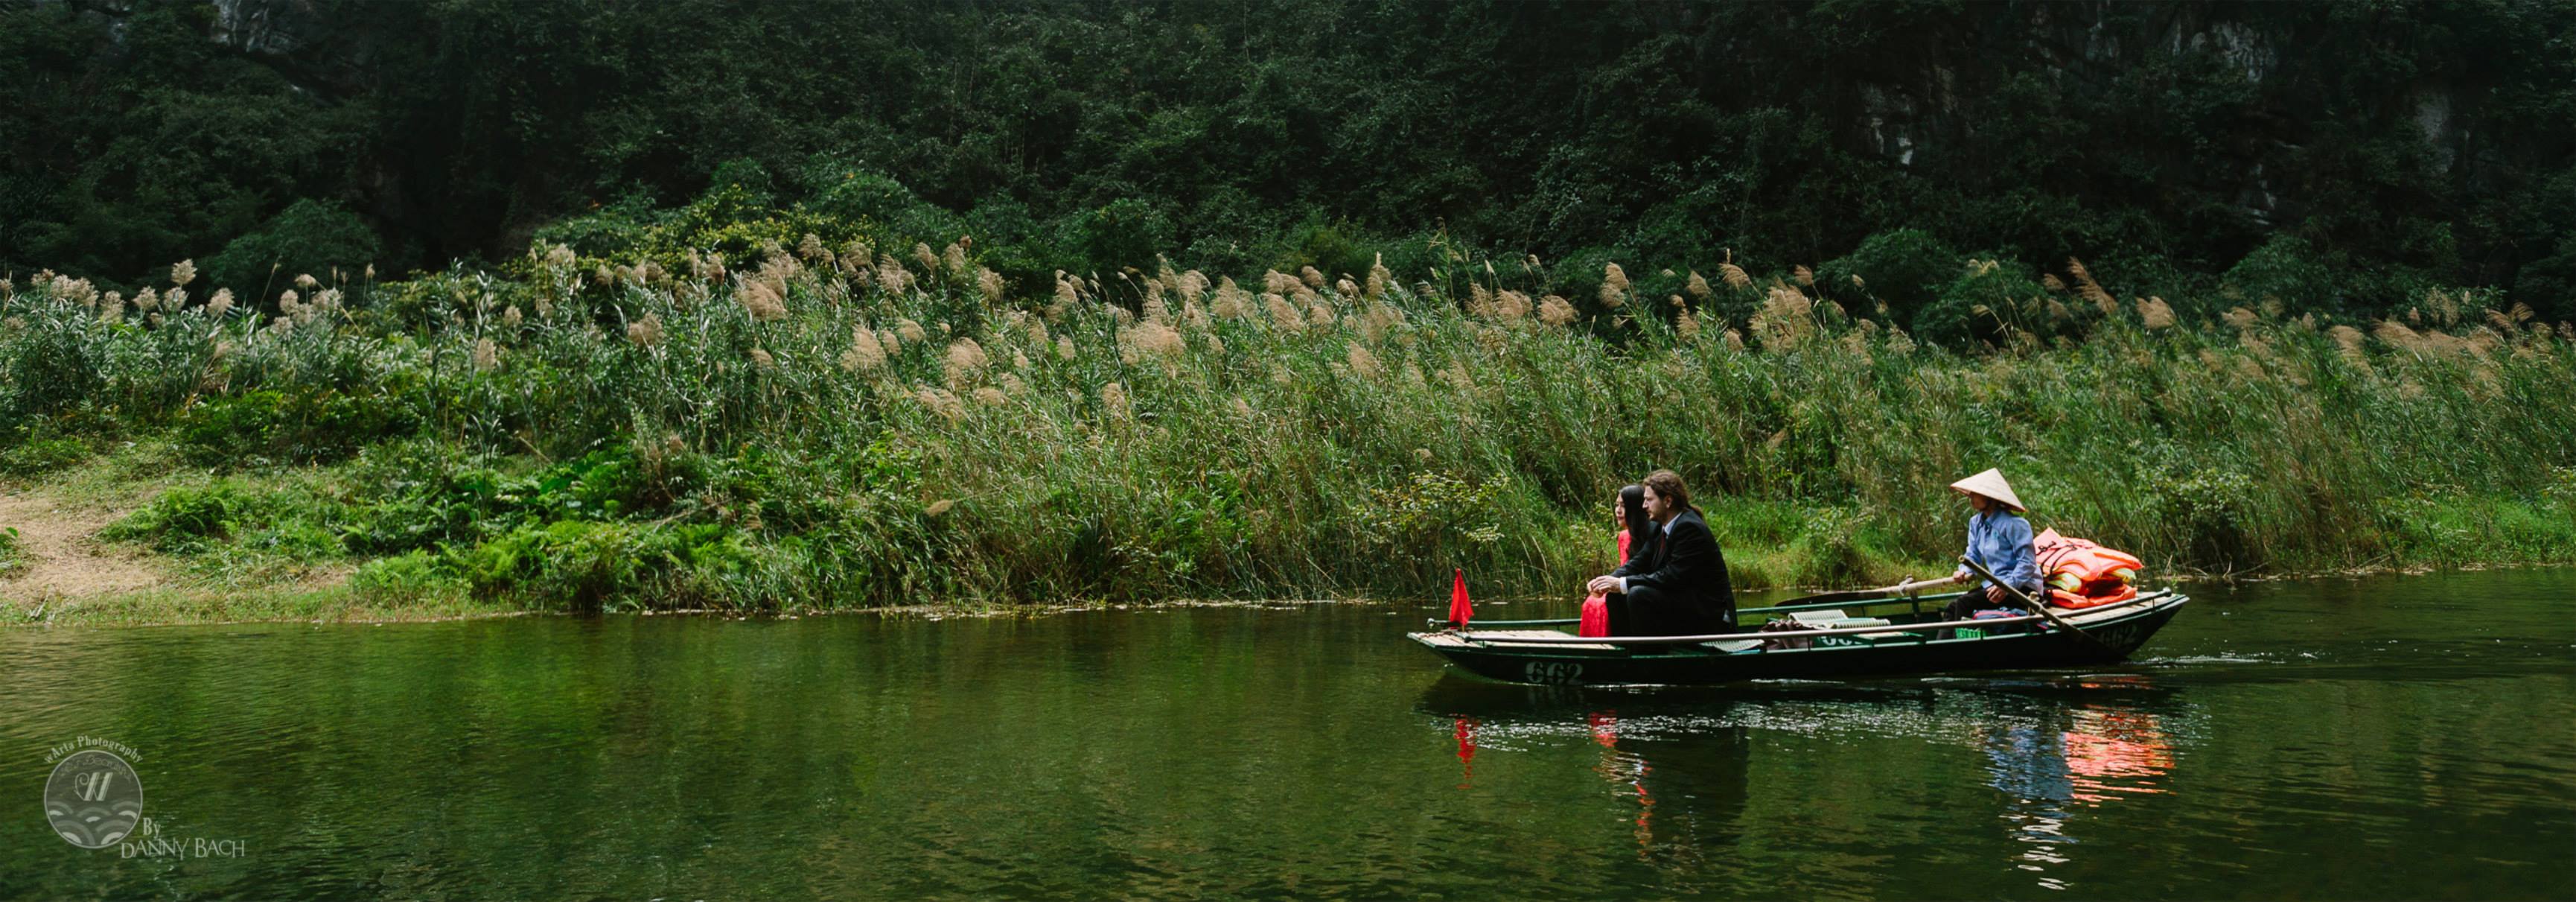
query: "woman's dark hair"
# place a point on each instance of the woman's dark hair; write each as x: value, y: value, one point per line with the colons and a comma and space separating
x: 1632, y: 510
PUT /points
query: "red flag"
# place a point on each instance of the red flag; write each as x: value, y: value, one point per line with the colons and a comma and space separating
x: 1458, y: 606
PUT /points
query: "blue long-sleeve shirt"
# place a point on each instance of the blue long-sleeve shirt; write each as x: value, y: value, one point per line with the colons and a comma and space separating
x: 2000, y: 540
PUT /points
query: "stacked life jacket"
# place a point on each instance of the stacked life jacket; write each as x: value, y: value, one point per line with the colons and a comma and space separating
x: 2081, y: 574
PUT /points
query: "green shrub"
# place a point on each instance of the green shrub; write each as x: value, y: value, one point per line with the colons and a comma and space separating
x: 309, y: 237
x: 289, y: 427
x: 1904, y: 269
x: 39, y: 456
x: 13, y: 560
x: 185, y: 519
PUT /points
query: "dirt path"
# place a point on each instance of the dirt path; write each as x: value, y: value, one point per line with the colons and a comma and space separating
x: 59, y: 545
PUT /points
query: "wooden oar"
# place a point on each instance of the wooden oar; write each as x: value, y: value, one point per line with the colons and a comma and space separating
x: 2036, y: 607
x: 1900, y: 589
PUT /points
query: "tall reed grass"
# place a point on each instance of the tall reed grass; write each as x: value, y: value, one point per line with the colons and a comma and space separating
x: 846, y: 428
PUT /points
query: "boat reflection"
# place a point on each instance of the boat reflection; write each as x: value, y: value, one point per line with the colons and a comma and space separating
x: 1677, y: 757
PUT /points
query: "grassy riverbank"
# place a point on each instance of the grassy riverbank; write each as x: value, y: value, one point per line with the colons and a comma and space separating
x: 830, y: 428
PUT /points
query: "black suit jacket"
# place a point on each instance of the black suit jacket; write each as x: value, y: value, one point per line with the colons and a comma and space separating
x: 1685, y: 565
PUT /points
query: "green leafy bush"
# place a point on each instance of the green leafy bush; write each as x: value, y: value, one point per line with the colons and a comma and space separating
x: 309, y: 237
x: 291, y: 427
x: 1904, y: 269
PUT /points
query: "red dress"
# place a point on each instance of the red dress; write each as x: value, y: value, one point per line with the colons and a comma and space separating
x: 1596, y: 607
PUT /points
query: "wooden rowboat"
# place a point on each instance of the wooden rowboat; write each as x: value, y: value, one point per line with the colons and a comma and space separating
x: 1897, y: 635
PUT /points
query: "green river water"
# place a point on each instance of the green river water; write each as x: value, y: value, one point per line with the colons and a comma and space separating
x: 2381, y: 738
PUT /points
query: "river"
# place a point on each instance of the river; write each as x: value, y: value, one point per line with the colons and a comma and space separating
x: 2376, y: 738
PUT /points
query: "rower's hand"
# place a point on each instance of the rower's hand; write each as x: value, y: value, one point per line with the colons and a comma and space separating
x: 1603, y: 584
x: 1997, y: 595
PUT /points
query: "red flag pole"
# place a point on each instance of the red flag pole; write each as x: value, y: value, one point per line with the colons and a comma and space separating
x: 1459, y: 608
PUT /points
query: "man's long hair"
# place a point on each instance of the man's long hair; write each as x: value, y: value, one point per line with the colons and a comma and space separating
x: 1669, y: 484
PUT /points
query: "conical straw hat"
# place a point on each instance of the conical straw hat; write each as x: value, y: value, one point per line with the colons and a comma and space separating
x: 1992, y: 485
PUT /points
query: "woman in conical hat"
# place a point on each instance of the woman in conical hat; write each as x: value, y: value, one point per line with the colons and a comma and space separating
x: 1998, y: 538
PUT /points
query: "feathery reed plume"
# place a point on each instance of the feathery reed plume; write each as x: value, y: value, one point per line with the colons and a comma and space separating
x: 811, y: 247
x: 1512, y: 306
x: 1113, y: 401
x: 929, y: 258
x: 762, y: 359
x: 1363, y: 363
x: 892, y: 343
x: 1283, y: 315
x: 1786, y: 317
x: 1346, y: 288
x: 1614, y: 285
x: 965, y: 359
x: 2398, y: 336
x: 1064, y: 349
x: 891, y: 277
x: 1013, y: 386
x: 759, y: 300
x: 645, y: 332
x: 183, y: 272
x: 603, y: 276
x: 1066, y: 295
x: 1193, y: 286
x: 1312, y: 277
x: 1232, y: 302
x: 1734, y: 276
x: 2239, y: 318
x: 989, y: 284
x: 955, y: 259
x: 2446, y: 311
x: 2091, y: 290
x: 1318, y: 313
x: 306, y: 281
x: 147, y: 300
x: 2152, y: 311
x: 989, y: 396
x: 909, y: 330
x: 865, y: 352
x: 1480, y: 302
x: 511, y: 317
x: 1378, y: 278
x: 1555, y: 311
x: 941, y: 402
x: 1805, y: 276
x: 1734, y: 340
x: 1698, y: 287
x: 1686, y: 324
x: 486, y: 354
x: 221, y: 303
x: 1276, y: 282
x: 2051, y: 282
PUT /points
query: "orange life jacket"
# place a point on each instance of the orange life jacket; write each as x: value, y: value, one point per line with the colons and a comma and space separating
x: 2081, y: 574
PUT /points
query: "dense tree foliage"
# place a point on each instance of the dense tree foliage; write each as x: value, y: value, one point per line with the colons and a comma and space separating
x: 2339, y: 157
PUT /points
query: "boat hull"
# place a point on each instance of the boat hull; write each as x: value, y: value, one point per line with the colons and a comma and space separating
x: 2118, y: 636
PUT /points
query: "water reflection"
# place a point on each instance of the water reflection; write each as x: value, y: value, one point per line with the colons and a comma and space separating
x: 1676, y: 759
x: 2050, y: 757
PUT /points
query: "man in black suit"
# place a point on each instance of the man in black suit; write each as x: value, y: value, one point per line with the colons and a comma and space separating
x: 1681, y: 588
